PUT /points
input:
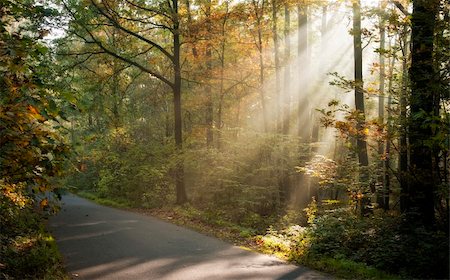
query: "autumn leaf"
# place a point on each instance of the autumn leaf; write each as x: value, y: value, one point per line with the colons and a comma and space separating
x: 43, y: 203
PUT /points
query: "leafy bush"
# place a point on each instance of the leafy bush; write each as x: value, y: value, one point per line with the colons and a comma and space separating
x: 27, y: 251
x: 115, y: 166
x: 32, y: 147
x: 242, y: 182
x: 380, y: 241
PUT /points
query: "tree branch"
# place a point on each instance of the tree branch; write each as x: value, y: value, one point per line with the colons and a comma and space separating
x: 134, y: 34
x: 113, y: 54
x: 158, y: 12
x: 400, y: 7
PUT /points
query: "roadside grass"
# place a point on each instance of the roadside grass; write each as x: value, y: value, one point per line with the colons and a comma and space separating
x: 186, y: 216
x: 116, y: 202
x: 248, y: 238
x: 345, y: 269
x: 28, y: 251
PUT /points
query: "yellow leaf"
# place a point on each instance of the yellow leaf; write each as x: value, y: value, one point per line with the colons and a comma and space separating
x: 43, y: 203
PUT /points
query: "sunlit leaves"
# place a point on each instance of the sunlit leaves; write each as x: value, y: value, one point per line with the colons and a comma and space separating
x: 31, y: 149
x: 320, y: 167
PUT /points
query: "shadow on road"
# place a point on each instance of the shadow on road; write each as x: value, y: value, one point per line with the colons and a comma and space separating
x: 103, y: 243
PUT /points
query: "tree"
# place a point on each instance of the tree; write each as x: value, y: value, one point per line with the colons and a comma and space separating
x: 208, y: 90
x: 287, y: 71
x: 424, y: 99
x: 143, y: 23
x: 381, y: 194
x: 303, y: 55
x: 32, y: 150
x: 276, y: 55
x: 259, y: 9
x: 361, y: 145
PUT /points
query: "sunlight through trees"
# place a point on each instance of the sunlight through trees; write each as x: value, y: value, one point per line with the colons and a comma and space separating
x: 251, y: 111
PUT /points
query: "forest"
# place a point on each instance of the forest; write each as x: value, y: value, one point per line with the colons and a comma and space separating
x: 316, y: 130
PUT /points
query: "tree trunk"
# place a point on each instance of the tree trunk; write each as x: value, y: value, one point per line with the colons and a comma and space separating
x: 259, y: 13
x: 284, y: 184
x: 361, y: 144
x: 380, y: 192
x: 221, y: 87
x: 304, y: 120
x: 387, y: 162
x: 115, y: 96
x: 403, y: 143
x: 287, y: 72
x: 316, y: 118
x: 208, y: 91
x: 179, y: 172
x: 421, y: 196
x: 276, y: 55
x: 359, y: 94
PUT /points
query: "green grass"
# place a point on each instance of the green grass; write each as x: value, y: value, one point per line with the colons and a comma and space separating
x: 345, y: 269
x: 117, y: 203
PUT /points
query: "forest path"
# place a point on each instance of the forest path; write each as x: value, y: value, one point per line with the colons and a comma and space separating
x: 99, y: 242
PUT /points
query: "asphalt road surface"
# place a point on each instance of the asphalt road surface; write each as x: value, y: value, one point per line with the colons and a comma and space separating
x: 99, y: 242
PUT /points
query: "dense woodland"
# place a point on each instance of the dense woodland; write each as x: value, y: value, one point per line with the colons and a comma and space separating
x: 320, y: 127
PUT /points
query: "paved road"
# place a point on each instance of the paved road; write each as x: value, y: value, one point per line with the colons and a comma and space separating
x: 103, y: 243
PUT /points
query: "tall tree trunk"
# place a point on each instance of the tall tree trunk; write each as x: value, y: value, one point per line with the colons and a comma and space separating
x: 381, y: 151
x: 387, y: 162
x: 359, y: 93
x: 115, y: 96
x: 208, y: 91
x: 287, y: 72
x: 284, y: 184
x: 424, y: 96
x: 276, y: 55
x: 179, y: 172
x: 259, y: 13
x: 316, y: 118
x: 304, y: 120
x: 403, y: 143
x: 115, y: 86
x: 221, y: 87
x: 361, y: 144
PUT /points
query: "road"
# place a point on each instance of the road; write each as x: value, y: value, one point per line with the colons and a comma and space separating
x: 99, y: 242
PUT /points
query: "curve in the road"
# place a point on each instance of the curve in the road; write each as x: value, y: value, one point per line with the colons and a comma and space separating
x: 99, y: 242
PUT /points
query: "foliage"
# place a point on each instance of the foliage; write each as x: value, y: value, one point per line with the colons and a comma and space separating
x: 241, y: 183
x: 236, y: 175
x: 356, y: 243
x: 117, y: 167
x: 32, y: 150
x: 27, y: 251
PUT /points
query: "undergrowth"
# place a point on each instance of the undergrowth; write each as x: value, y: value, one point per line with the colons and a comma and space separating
x: 27, y: 250
x: 353, y: 247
